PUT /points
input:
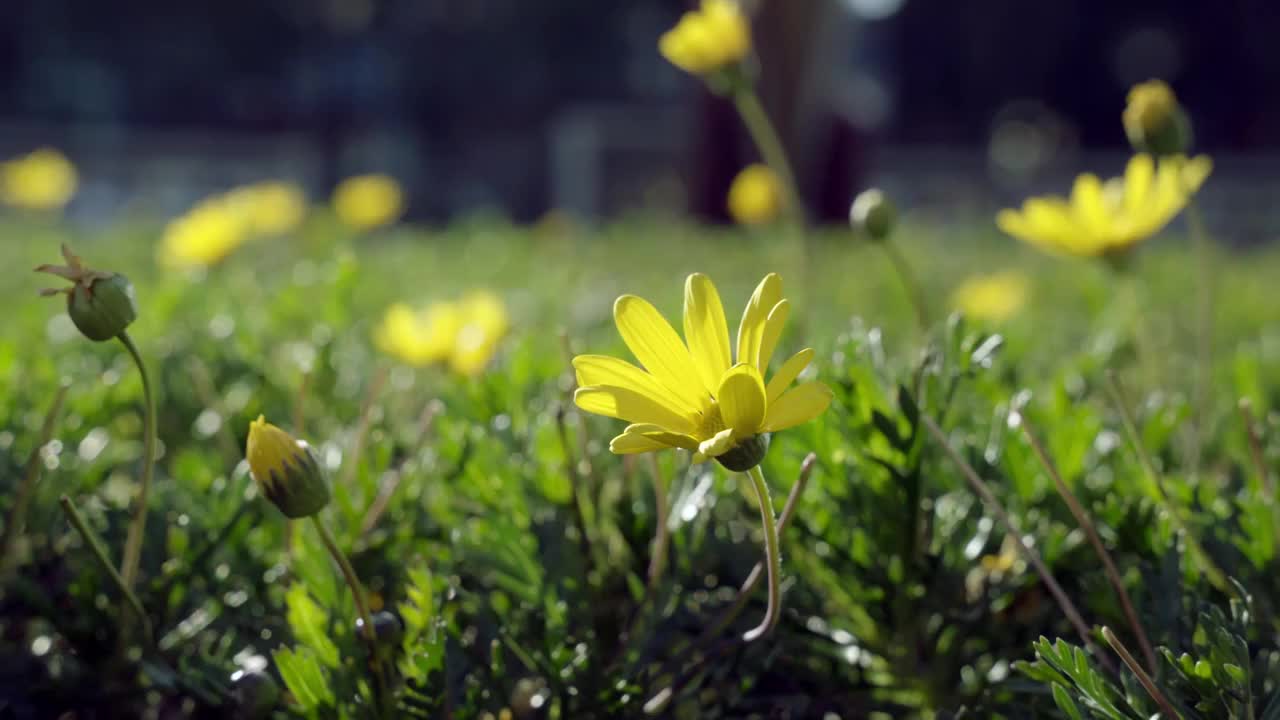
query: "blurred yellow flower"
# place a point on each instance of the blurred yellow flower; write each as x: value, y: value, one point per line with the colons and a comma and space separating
x: 418, y: 337
x: 1102, y: 218
x: 755, y: 197
x: 205, y: 235
x: 271, y: 207
x: 484, y: 322
x: 365, y: 202
x: 995, y: 297
x: 42, y: 180
x: 708, y: 39
x: 689, y: 394
x: 464, y: 334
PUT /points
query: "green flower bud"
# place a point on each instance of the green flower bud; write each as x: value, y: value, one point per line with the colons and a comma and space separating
x: 873, y: 215
x: 254, y: 694
x: 287, y: 470
x: 746, y: 454
x: 103, y: 309
x: 1154, y: 121
x: 101, y: 304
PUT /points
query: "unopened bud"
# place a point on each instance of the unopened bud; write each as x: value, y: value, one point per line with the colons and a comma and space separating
x: 255, y: 693
x: 1154, y: 121
x: 287, y: 470
x: 873, y: 214
x: 100, y: 303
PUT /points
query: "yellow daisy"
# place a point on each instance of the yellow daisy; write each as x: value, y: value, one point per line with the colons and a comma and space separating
x: 692, y: 395
x: 42, y: 180
x: 1102, y: 218
x: 708, y: 39
x: 367, y: 202
x: 484, y: 322
x: 418, y: 337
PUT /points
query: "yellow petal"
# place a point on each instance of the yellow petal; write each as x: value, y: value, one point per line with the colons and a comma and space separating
x: 773, y: 325
x: 629, y: 405
x: 656, y: 432
x: 715, y: 446
x: 705, y: 330
x: 798, y: 405
x: 1138, y: 177
x: 742, y: 400
x: 750, y: 331
x: 593, y: 370
x: 630, y: 444
x: 658, y: 348
x: 787, y: 374
x: 1089, y: 205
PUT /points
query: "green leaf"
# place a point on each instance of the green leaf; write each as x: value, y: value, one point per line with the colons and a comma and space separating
x: 310, y: 624
x: 304, y: 677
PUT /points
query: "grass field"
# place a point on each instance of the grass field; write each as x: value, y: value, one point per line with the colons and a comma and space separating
x: 517, y: 554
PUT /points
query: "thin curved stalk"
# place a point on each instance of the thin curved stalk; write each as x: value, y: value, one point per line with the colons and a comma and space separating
x: 772, y: 557
x: 138, y: 522
x: 1147, y: 683
x: 362, y: 606
x: 100, y: 554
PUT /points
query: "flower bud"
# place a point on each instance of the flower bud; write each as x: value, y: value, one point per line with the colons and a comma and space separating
x: 104, y: 308
x: 872, y: 214
x: 1154, y: 121
x: 287, y: 470
x: 746, y: 454
x: 100, y: 303
x: 255, y: 694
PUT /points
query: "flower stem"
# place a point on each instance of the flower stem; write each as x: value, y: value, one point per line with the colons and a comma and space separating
x: 100, y: 553
x: 912, y: 288
x: 658, y: 561
x: 1091, y: 532
x: 362, y: 605
x: 17, y: 518
x: 772, y: 556
x: 1210, y: 568
x: 138, y: 523
x: 770, y: 146
x: 1028, y: 552
x: 1204, y: 334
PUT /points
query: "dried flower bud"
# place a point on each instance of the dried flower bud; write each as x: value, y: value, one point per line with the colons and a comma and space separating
x: 287, y: 470
x: 101, y: 304
x: 1154, y: 121
x: 873, y: 214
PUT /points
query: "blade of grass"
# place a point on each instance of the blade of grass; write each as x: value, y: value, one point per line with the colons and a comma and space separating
x: 16, y: 522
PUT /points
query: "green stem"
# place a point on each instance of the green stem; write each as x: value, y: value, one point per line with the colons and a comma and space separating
x: 138, y: 523
x: 772, y: 556
x: 770, y: 146
x: 1204, y: 333
x: 658, y: 562
x: 100, y: 553
x: 362, y: 605
x: 910, y: 286
x: 17, y: 518
x: 1207, y: 565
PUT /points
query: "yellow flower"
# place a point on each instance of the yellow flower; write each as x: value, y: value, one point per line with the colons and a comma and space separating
x: 365, y: 202
x: 708, y: 39
x: 272, y: 207
x: 755, y: 197
x: 1102, y: 218
x: 206, y: 235
x: 286, y: 470
x: 484, y: 322
x: 692, y: 396
x: 42, y: 180
x: 1153, y: 120
x: 992, y: 297
x: 418, y: 337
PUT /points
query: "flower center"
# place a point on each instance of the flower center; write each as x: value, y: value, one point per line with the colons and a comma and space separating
x: 712, y: 422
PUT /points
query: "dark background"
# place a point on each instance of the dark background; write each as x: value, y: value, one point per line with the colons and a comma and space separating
x: 523, y: 105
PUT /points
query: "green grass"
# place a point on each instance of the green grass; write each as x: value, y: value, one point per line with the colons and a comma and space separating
x: 890, y: 609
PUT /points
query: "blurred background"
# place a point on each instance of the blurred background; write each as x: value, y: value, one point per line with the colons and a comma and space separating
x: 519, y: 107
